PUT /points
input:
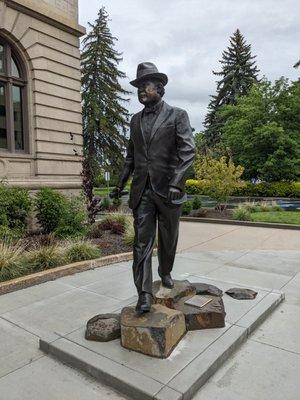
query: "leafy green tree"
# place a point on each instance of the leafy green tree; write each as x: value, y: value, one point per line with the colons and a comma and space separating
x: 238, y: 74
x: 105, y: 118
x: 222, y: 177
x: 262, y: 131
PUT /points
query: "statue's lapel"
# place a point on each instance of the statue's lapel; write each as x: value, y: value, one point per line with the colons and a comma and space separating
x: 140, y: 127
x: 162, y: 116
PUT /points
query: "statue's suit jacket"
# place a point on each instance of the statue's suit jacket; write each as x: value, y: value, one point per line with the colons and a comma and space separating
x: 165, y: 158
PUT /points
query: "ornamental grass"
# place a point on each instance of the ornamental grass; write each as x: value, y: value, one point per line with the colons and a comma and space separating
x: 11, y: 265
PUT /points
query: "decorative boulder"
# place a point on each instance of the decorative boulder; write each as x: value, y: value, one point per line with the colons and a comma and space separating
x: 241, y: 293
x: 155, y: 333
x: 168, y: 297
x: 211, y: 315
x: 206, y: 289
x: 103, y: 328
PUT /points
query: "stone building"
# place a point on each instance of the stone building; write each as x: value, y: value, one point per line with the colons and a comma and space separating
x: 40, y: 99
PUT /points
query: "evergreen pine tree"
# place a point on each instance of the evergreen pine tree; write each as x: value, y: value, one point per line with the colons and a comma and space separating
x: 237, y: 76
x: 105, y: 118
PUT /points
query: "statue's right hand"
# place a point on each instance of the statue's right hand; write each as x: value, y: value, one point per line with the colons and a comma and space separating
x: 115, y: 193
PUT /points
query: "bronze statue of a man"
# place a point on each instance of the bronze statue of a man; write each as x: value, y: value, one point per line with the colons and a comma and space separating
x: 160, y: 150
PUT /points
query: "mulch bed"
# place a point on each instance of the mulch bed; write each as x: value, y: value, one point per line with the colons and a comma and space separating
x: 226, y: 214
x: 111, y: 243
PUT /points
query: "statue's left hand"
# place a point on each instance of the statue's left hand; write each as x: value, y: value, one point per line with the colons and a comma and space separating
x: 174, y: 193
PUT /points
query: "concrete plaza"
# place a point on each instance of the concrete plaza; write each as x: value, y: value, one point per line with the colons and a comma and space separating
x: 266, y: 366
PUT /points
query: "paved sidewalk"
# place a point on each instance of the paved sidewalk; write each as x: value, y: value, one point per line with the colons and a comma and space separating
x: 267, y: 366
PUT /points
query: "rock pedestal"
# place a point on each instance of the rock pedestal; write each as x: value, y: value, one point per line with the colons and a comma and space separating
x: 155, y: 333
x: 212, y: 315
x: 168, y: 297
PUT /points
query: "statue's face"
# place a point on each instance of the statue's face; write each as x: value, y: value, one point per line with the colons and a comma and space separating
x: 147, y: 93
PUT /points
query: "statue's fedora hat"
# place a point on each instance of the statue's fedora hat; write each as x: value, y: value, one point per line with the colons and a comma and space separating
x: 148, y: 70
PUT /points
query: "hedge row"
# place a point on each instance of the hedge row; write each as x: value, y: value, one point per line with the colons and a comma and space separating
x: 54, y: 212
x: 263, y: 189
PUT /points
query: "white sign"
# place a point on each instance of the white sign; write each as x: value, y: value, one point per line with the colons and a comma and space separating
x: 107, y: 176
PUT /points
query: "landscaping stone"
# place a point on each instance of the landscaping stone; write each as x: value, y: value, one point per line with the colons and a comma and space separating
x: 168, y: 297
x: 206, y: 289
x: 241, y: 293
x: 103, y: 328
x: 155, y: 333
x: 212, y: 315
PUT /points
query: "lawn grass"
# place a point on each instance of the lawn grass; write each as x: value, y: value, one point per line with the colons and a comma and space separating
x: 282, y: 217
x: 102, y: 192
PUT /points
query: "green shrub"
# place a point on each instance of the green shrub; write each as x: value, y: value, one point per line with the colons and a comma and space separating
x: 60, y: 214
x: 222, y: 176
x: 44, y: 257
x: 10, y: 261
x: 187, y: 208
x: 82, y: 250
x: 263, y: 189
x: 15, y: 206
x: 72, y: 220
x: 269, y: 189
x: 241, y: 214
x: 49, y: 207
x: 197, y: 203
x: 195, y: 186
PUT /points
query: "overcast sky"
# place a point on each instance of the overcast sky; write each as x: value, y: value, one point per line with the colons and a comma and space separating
x: 185, y: 39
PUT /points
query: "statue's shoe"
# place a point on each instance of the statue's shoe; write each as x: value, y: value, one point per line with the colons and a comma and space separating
x: 167, y: 281
x: 144, y: 303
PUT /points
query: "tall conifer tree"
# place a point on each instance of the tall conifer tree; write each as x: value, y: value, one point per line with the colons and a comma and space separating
x: 238, y: 74
x: 104, y: 116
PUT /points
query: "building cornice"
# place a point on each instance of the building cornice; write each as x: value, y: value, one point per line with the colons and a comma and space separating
x: 45, y: 13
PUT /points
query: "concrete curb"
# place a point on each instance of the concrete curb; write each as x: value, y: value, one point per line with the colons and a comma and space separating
x: 58, y: 272
x: 242, y: 223
x: 181, y: 386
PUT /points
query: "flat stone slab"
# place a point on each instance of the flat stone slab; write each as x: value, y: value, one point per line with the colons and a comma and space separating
x: 241, y: 293
x: 168, y: 297
x: 103, y: 327
x: 155, y: 333
x: 194, y: 360
x: 211, y: 315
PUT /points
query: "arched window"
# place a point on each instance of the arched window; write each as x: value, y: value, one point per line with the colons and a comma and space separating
x: 13, y: 137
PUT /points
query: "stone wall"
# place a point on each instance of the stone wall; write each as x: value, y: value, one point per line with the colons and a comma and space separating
x: 46, y: 34
x: 70, y: 7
